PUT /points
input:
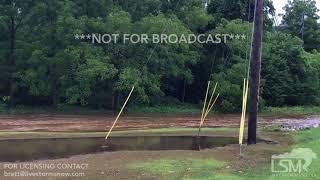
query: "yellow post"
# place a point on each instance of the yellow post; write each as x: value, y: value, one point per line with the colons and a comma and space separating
x: 214, y: 90
x: 207, y: 107
x: 114, y: 123
x: 203, y: 109
x: 244, y: 109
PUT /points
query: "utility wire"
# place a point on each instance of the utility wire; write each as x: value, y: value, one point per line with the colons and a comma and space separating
x: 248, y: 54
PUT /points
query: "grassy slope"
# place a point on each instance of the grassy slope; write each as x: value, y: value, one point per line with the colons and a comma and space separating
x: 69, y: 109
x: 163, y: 109
x: 159, y: 131
x: 177, y: 169
x: 213, y: 169
x: 310, y: 139
x: 293, y: 110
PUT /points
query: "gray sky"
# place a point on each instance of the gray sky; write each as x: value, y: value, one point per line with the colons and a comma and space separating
x: 279, y: 4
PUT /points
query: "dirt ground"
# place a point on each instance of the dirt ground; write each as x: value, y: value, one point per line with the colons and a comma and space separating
x: 59, y: 122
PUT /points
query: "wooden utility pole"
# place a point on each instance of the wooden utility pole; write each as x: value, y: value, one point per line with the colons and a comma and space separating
x: 255, y: 67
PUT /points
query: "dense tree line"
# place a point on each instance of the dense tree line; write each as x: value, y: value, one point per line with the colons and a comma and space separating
x: 41, y: 63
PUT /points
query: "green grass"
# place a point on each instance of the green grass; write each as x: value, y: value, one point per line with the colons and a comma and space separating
x: 4, y: 134
x: 186, y: 169
x: 180, y: 169
x: 175, y: 130
x: 167, y: 109
x: 65, y: 109
x: 310, y: 139
x: 211, y: 168
x: 173, y: 108
x: 162, y: 131
x: 302, y: 139
x: 293, y: 110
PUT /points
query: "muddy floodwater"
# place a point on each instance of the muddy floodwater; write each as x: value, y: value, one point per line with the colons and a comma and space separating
x: 63, y: 123
x: 48, y: 148
x: 298, y: 123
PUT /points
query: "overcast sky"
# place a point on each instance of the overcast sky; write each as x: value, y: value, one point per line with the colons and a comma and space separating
x: 279, y: 4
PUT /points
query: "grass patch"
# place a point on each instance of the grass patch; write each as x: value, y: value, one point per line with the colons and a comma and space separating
x: 310, y: 139
x: 180, y: 169
x: 179, y: 130
x: 293, y: 110
x: 166, y: 108
x: 62, y: 108
x: 183, y: 108
x: 211, y: 168
x: 160, y: 131
x: 50, y: 134
x: 305, y: 137
x: 302, y: 139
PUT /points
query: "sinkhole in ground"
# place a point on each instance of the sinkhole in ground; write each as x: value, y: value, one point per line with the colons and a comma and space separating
x: 50, y: 148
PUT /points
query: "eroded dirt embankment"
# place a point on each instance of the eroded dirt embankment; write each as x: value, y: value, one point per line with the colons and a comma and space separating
x: 58, y: 122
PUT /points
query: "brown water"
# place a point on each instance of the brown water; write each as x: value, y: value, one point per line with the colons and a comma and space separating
x: 49, y: 148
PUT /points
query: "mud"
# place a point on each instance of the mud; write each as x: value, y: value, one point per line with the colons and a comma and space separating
x: 59, y: 122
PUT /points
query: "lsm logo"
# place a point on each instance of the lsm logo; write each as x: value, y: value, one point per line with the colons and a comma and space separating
x: 297, y: 161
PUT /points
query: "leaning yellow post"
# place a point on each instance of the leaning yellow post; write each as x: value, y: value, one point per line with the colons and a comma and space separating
x: 204, y: 108
x: 207, y: 106
x: 214, y: 90
x: 243, y: 113
x: 210, y: 108
x: 114, y: 123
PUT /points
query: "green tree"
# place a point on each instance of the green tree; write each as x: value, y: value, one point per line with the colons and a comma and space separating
x: 312, y: 61
x: 230, y: 70
x: 172, y: 61
x: 197, y: 19
x: 289, y: 79
x: 242, y: 9
x: 300, y: 20
x: 13, y: 15
x: 90, y: 67
x: 139, y: 9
